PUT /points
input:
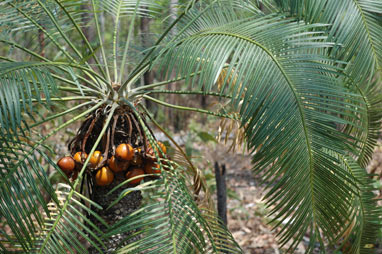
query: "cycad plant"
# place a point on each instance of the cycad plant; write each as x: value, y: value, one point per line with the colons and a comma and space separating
x: 301, y: 77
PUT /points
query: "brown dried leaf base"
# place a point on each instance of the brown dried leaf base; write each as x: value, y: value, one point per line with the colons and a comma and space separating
x: 123, y: 128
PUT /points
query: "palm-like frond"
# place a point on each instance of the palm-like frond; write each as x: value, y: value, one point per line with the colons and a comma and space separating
x: 286, y: 82
x: 355, y: 24
x: 22, y: 180
x: 21, y: 85
x: 365, y: 224
x: 25, y: 16
x: 170, y: 221
x: 58, y: 22
x: 26, y: 86
x: 122, y: 8
x: 370, y: 92
x: 291, y: 99
x: 356, y: 27
x: 72, y: 227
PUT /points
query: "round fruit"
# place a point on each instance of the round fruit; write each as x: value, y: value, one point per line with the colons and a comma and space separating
x: 160, y: 151
x: 116, y: 165
x: 104, y: 176
x: 96, y: 158
x: 124, y: 152
x: 66, y: 164
x: 152, y: 167
x: 79, y: 155
x: 162, y: 147
x: 133, y: 173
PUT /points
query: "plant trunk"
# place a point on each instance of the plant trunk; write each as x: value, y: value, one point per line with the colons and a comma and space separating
x: 221, y: 192
x: 124, y: 207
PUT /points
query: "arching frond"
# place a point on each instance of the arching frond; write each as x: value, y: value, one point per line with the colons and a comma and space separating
x: 56, y: 28
x: 170, y: 221
x: 371, y: 121
x: 282, y: 85
x: 355, y: 24
x: 38, y: 16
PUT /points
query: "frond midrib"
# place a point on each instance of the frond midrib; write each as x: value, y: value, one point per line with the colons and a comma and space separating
x: 368, y: 106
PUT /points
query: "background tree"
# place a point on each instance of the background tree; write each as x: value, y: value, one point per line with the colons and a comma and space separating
x: 297, y: 75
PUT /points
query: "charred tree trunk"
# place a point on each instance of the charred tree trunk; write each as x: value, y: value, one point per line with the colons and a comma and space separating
x: 221, y: 192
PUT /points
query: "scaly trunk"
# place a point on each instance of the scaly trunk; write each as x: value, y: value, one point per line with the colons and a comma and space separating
x: 124, y: 207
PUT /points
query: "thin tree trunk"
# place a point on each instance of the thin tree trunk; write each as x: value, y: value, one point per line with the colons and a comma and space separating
x: 148, y: 77
x: 172, y: 115
x: 221, y: 189
x: 88, y: 31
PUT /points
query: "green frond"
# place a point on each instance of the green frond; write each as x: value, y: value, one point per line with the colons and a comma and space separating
x: 23, y: 84
x: 20, y: 85
x: 23, y: 182
x: 53, y: 24
x: 122, y: 8
x: 73, y: 228
x: 364, y: 226
x: 283, y: 81
x: 371, y: 121
x: 310, y: 121
x: 36, y: 16
x: 355, y: 24
x: 25, y: 186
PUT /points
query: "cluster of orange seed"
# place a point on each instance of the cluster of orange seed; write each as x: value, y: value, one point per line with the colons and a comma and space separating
x: 126, y: 158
